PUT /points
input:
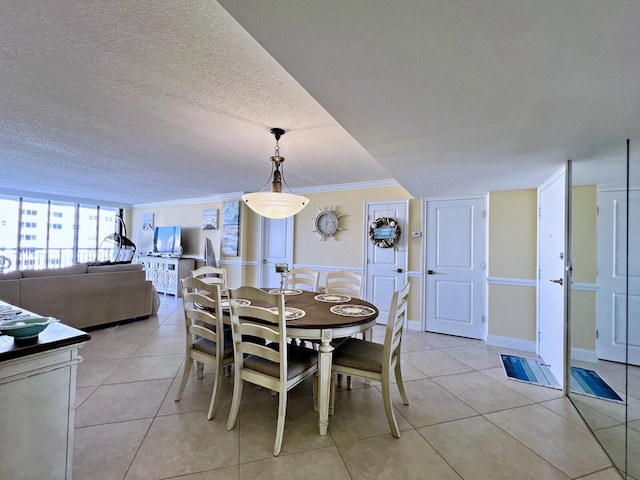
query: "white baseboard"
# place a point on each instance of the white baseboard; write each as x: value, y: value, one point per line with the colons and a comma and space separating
x: 513, y: 343
x: 584, y: 355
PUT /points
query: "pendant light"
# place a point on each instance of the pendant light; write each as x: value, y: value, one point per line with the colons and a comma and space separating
x: 275, y: 204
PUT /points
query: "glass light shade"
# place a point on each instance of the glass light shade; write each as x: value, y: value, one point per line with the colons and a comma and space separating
x: 274, y: 204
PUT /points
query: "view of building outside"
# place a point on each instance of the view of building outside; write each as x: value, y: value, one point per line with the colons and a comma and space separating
x: 41, y: 234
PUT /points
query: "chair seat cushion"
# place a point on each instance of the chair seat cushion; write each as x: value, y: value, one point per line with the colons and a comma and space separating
x: 298, y: 358
x: 360, y: 354
x: 208, y: 347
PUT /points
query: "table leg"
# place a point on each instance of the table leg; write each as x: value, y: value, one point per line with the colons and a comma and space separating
x: 324, y: 380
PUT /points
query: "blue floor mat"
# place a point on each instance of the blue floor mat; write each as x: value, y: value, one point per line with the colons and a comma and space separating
x: 588, y: 382
x: 583, y: 381
x: 528, y: 370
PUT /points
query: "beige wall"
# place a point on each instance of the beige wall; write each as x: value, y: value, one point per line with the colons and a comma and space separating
x: 188, y: 216
x: 347, y: 248
x: 346, y: 251
x: 513, y: 233
x: 512, y: 245
x: 583, y: 233
x: 512, y: 255
x: 512, y: 311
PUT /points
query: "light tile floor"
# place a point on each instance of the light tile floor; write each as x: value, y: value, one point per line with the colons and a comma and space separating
x: 465, y: 419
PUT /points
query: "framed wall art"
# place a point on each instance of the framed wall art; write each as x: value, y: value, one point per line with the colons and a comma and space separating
x: 230, y: 228
x: 210, y: 219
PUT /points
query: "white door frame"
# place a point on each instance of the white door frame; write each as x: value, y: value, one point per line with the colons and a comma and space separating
x: 423, y: 263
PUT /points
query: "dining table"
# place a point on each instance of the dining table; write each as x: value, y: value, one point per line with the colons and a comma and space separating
x: 321, y: 318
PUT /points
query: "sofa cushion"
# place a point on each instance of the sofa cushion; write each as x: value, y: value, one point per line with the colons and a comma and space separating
x: 76, y: 269
x: 125, y: 267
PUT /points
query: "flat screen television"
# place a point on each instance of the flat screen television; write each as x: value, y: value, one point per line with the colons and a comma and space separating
x: 167, y: 240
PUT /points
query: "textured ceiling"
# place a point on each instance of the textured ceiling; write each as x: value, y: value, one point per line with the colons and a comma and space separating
x: 149, y: 101
x: 459, y: 96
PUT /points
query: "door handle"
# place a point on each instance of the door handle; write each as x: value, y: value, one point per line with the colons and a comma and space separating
x: 430, y: 272
x: 559, y: 281
x: 399, y: 270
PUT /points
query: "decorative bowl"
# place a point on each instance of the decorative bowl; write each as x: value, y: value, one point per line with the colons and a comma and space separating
x: 25, y: 328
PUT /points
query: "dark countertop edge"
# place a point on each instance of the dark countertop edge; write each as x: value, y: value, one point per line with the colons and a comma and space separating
x: 56, y: 335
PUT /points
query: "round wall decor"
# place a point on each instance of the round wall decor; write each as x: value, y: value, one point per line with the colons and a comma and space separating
x: 384, y: 232
x: 326, y: 224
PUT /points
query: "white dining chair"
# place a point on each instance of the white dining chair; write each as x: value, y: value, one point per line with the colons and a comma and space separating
x: 212, y: 275
x: 375, y: 361
x: 344, y: 282
x: 303, y: 278
x: 206, y: 342
x: 276, y: 365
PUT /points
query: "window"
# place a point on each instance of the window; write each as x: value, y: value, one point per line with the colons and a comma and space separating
x: 64, y: 234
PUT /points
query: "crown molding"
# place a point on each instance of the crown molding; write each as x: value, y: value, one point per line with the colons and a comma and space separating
x: 237, y: 195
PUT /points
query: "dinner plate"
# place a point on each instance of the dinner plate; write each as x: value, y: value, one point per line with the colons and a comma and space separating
x: 290, y: 313
x: 352, y: 310
x: 332, y: 298
x: 240, y: 302
x: 285, y: 291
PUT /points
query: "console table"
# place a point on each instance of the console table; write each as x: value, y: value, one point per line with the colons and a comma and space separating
x: 165, y: 272
x: 37, y: 403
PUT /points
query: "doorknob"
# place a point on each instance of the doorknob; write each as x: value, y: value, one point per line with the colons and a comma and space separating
x: 558, y: 281
x: 399, y: 270
x: 430, y: 272
x: 264, y: 261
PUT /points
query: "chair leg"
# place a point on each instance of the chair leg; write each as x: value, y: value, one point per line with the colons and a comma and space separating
x: 185, y: 376
x: 217, y: 384
x: 235, y: 402
x: 282, y: 414
x: 388, y: 409
x: 199, y: 370
x: 400, y: 383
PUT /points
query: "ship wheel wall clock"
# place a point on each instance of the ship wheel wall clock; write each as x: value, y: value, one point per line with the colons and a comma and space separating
x: 326, y: 224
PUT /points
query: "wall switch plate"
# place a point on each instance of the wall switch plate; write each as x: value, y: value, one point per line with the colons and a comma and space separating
x: 416, y: 234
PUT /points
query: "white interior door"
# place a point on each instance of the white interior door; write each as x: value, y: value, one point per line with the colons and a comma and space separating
x: 276, y: 247
x: 385, y: 268
x: 611, y: 315
x: 455, y: 267
x: 551, y: 274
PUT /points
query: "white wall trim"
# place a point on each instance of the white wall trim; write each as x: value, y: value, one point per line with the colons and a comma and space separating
x: 517, y: 282
x: 584, y: 355
x: 512, y: 343
x: 236, y: 195
x: 328, y: 268
x: 239, y: 263
x: 584, y: 287
x: 189, y: 201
